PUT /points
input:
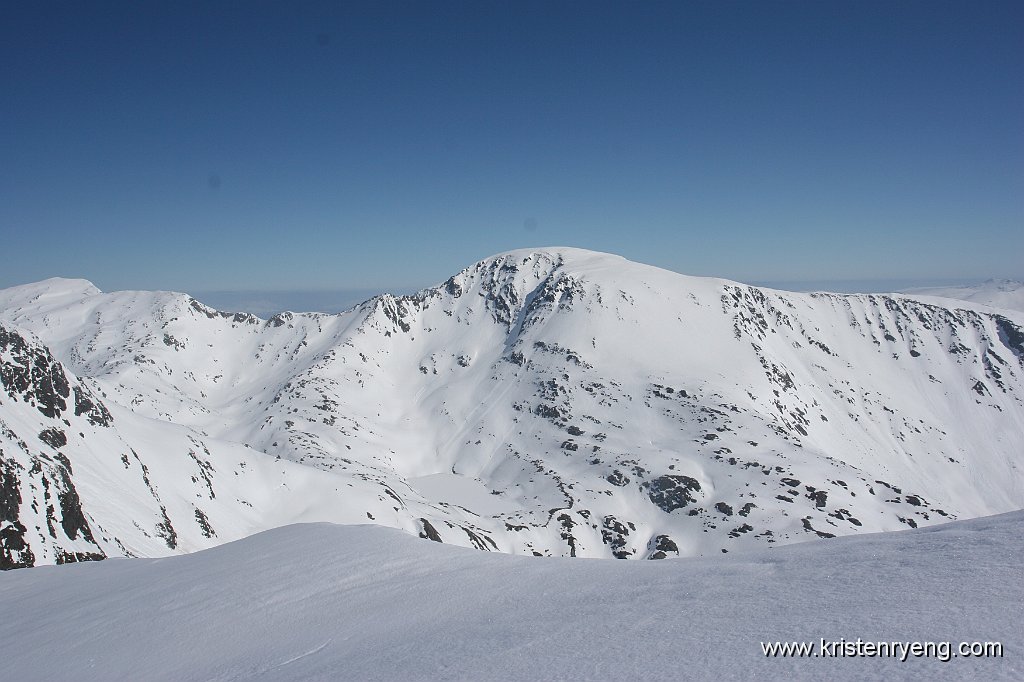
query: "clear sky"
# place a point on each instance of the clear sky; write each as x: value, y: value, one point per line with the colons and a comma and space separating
x: 202, y: 146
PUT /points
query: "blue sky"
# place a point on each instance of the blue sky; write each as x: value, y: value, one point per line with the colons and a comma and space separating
x: 303, y: 146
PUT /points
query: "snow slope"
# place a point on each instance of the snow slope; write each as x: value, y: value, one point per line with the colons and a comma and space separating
x: 135, y: 486
x: 322, y: 602
x: 1007, y: 294
x: 549, y: 402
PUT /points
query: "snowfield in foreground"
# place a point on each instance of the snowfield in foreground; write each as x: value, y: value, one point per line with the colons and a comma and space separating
x: 323, y: 601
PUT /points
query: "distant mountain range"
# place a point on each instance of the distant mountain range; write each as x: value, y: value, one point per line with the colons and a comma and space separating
x: 997, y: 293
x: 540, y: 402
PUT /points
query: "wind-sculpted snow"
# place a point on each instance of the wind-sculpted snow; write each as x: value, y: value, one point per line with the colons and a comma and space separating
x: 324, y: 602
x: 552, y: 402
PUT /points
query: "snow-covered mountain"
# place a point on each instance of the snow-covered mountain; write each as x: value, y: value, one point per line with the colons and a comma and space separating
x: 549, y: 402
x: 326, y: 602
x: 1007, y: 294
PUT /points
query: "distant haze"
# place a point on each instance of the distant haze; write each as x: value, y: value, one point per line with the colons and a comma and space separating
x: 864, y: 286
x: 268, y: 303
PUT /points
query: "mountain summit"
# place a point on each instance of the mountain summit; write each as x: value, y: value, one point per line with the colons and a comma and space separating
x: 546, y: 402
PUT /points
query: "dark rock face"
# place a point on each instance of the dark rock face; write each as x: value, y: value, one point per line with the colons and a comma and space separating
x: 64, y: 557
x: 210, y: 313
x: 204, y: 524
x: 428, y: 532
x: 661, y: 546
x: 671, y: 492
x: 165, y: 530
x: 480, y: 541
x: 280, y: 320
x: 617, y: 478
x: 810, y: 529
x: 1011, y: 335
x: 736, y: 532
x: 615, y: 534
x: 29, y: 374
x: 567, y: 525
x: 547, y: 411
x: 59, y: 497
x: 73, y: 519
x: 14, y: 551
x: 53, y: 437
x: 453, y: 288
x: 33, y: 375
x: 93, y: 410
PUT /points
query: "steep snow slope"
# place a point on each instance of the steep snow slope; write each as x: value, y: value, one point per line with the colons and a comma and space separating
x: 566, y: 402
x: 366, y: 603
x: 136, y: 486
x: 1007, y: 294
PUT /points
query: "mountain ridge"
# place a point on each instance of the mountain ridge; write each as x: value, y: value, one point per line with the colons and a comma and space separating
x: 605, y: 408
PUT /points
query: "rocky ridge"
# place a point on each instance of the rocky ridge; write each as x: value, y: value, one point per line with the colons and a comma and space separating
x: 548, y: 402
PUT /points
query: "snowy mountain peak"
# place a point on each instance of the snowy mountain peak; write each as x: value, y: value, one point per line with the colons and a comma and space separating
x: 541, y: 401
x: 571, y: 257
x: 52, y: 292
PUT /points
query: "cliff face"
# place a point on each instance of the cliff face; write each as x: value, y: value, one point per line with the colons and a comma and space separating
x: 40, y: 507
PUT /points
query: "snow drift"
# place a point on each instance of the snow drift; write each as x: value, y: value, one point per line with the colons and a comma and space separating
x: 323, y: 602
